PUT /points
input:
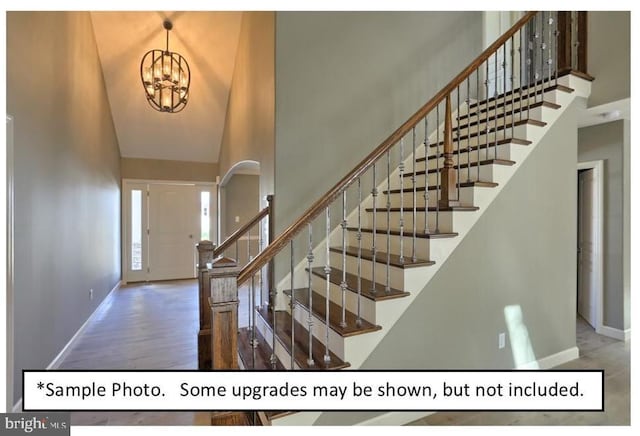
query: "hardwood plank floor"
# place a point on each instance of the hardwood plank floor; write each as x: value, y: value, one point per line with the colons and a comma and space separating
x: 144, y: 326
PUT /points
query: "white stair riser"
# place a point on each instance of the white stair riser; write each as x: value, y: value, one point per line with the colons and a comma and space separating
x: 422, y: 244
x: 443, y: 221
x: 536, y: 113
x: 466, y: 197
x: 504, y: 152
x: 486, y: 175
x: 396, y: 275
x: 550, y: 96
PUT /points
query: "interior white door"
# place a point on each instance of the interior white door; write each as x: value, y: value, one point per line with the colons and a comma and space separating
x: 174, y: 212
x: 587, y: 221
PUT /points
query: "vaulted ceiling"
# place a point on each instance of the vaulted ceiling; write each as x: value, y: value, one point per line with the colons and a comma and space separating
x: 208, y: 40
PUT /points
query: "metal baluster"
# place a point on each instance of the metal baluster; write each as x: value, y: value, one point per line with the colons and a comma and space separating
x: 551, y: 21
x: 343, y: 284
x: 310, y: 361
x: 292, y: 306
x: 327, y: 276
x: 513, y: 89
x: 556, y: 33
x: 401, y: 169
x: 458, y: 141
x: 237, y: 253
x: 521, y: 71
x: 254, y: 341
x: 488, y: 129
x: 374, y: 232
x: 437, y: 167
x: 413, y: 182
x: 273, y: 359
x: 533, y: 62
x: 249, y: 253
x: 504, y: 95
x: 359, y: 236
x: 468, y: 134
x: 388, y: 266
x: 426, y: 175
x: 543, y: 47
x: 478, y: 121
x: 495, y: 105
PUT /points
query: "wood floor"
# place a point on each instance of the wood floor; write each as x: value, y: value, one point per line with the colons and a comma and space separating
x: 154, y: 326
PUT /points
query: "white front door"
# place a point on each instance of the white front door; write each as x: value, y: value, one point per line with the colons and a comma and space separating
x: 174, y: 212
x: 587, y: 222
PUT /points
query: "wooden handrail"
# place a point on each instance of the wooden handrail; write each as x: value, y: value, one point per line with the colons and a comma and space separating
x: 241, y: 231
x: 314, y: 210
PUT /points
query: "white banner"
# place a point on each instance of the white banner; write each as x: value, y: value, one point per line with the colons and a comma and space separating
x: 313, y: 390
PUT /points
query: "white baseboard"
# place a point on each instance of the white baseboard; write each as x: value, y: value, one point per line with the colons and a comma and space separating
x: 621, y: 335
x: 396, y: 418
x: 55, y: 363
x: 553, y: 360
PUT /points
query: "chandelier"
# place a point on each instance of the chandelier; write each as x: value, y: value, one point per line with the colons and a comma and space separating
x: 166, y: 78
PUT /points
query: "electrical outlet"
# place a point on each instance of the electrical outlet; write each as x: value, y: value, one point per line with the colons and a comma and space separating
x: 501, y: 341
x: 90, y: 294
x: 237, y: 219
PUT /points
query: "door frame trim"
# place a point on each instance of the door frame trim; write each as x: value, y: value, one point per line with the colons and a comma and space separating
x: 598, y: 203
x: 126, y: 211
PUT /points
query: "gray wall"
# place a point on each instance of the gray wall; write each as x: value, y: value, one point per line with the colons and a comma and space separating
x: 607, y: 142
x: 520, y: 252
x: 241, y: 199
x: 159, y: 169
x: 67, y: 178
x: 608, y: 55
x: 344, y: 82
x: 248, y: 130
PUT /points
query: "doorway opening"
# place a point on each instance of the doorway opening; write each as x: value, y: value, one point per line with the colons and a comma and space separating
x: 589, y: 268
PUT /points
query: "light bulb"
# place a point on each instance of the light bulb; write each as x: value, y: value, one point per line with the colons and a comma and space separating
x: 150, y: 90
x: 183, y: 81
x: 147, y: 75
x: 157, y: 72
x: 166, y: 101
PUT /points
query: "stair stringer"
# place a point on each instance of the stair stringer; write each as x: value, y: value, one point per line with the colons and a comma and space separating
x: 358, y: 348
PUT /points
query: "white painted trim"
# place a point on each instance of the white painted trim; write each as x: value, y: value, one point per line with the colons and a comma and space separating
x: 553, y: 360
x: 598, y: 203
x: 396, y: 418
x: 241, y: 167
x: 170, y: 182
x: 55, y: 363
x: 621, y: 335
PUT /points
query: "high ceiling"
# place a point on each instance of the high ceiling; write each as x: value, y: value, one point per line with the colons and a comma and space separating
x: 208, y: 41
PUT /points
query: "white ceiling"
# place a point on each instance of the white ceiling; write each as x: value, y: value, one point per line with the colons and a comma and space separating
x: 208, y: 41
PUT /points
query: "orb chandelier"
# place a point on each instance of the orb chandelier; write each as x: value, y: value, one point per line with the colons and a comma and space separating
x: 166, y: 78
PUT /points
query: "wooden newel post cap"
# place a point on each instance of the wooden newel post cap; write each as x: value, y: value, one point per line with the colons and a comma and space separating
x: 205, y: 253
x: 223, y: 265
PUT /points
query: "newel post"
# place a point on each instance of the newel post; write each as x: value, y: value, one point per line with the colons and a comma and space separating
x: 448, y: 176
x: 223, y: 306
x: 270, y: 268
x: 205, y: 259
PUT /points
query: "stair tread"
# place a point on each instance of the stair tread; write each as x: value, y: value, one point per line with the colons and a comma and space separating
x: 262, y: 351
x: 504, y: 162
x: 497, y: 128
x: 381, y: 257
x: 518, y: 109
x: 335, y: 313
x: 482, y: 146
x: 301, y: 353
x: 524, y: 89
x: 500, y: 116
x: 366, y: 285
x: 432, y: 235
x: 422, y: 209
x: 480, y: 184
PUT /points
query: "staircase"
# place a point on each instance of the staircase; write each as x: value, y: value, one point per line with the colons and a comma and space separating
x: 359, y: 257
